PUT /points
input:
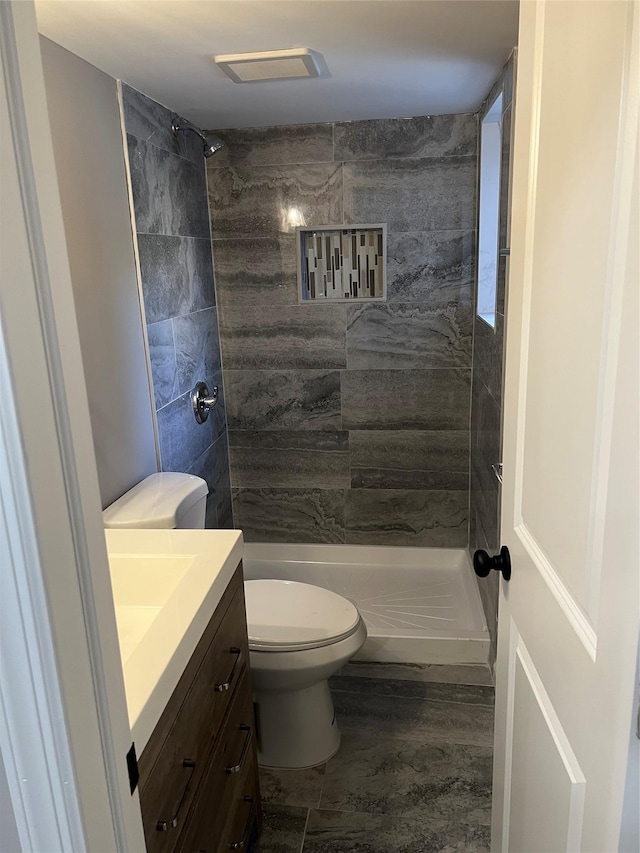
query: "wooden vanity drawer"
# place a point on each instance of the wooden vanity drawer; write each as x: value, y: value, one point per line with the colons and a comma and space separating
x: 228, y: 800
x: 177, y: 756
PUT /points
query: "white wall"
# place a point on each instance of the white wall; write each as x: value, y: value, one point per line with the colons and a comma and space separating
x: 87, y: 143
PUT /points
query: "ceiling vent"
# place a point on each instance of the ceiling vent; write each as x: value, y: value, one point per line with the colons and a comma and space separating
x: 269, y: 65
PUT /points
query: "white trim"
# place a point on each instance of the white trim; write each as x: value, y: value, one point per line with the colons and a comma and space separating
x: 528, y: 254
x: 33, y: 737
x: 136, y: 257
x: 616, y: 269
x: 563, y: 745
x: 574, y: 614
x: 514, y: 638
x: 56, y: 381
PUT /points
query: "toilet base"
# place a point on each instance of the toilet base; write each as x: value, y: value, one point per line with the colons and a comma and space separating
x: 298, y: 728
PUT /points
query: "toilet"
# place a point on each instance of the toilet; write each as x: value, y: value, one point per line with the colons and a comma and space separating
x: 165, y: 500
x: 299, y: 635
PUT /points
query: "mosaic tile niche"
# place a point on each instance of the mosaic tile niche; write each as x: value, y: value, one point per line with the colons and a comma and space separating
x: 347, y: 264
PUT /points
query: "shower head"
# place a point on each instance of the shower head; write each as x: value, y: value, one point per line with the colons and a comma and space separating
x: 210, y: 142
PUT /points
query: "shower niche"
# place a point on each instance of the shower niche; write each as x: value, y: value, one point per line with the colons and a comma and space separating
x: 342, y: 264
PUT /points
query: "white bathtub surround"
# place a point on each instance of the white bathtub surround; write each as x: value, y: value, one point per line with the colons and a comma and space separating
x: 420, y: 605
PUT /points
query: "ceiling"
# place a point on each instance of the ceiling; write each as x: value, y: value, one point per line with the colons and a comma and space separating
x: 384, y: 58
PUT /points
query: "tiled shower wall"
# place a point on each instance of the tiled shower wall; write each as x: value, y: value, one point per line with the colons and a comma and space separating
x: 168, y: 183
x: 486, y: 402
x: 348, y: 423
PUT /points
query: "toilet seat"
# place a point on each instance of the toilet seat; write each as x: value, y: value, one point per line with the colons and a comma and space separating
x: 286, y: 616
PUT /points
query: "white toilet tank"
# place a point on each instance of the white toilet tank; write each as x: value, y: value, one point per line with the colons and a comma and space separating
x: 166, y: 500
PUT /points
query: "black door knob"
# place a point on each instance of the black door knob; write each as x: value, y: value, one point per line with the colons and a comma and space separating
x: 483, y: 563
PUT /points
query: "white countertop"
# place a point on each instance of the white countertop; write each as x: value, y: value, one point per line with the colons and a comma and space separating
x: 166, y: 586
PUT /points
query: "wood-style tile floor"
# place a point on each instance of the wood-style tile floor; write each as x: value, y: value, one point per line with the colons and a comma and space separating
x: 413, y: 775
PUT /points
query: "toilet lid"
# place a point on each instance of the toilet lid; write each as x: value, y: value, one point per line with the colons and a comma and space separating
x: 284, y: 615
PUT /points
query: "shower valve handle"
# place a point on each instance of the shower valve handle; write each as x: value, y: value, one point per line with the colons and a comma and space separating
x: 483, y: 563
x: 202, y: 402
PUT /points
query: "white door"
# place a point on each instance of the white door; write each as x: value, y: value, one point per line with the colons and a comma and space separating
x: 568, y: 626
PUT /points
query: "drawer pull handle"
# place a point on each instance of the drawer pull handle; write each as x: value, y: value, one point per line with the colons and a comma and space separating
x: 241, y: 845
x: 236, y: 768
x: 225, y: 685
x: 166, y: 825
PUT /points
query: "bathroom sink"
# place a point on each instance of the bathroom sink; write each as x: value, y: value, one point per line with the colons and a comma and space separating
x: 142, y: 585
x: 146, y: 580
x: 166, y: 585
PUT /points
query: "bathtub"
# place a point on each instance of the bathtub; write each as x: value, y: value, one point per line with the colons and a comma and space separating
x: 421, y: 605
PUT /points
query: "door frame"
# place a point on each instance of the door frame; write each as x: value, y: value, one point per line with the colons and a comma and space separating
x: 62, y: 675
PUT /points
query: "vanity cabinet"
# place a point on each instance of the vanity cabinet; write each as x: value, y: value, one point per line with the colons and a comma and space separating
x: 198, y: 773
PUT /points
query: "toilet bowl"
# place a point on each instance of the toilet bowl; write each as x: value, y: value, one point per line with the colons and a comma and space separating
x: 299, y: 636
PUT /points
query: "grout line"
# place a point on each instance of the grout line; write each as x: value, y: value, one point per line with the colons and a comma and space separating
x: 324, y: 776
x: 304, y: 833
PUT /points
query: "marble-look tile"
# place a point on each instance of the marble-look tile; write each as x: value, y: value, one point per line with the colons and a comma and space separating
x: 510, y: 78
x: 488, y: 355
x: 409, y: 459
x: 218, y: 415
x: 151, y: 122
x: 497, y: 360
x: 425, y: 194
x: 182, y: 440
x: 381, y: 772
x: 485, y: 502
x: 256, y: 271
x: 177, y: 275
x: 439, y: 673
x: 169, y: 192
x: 420, y: 136
x: 436, y: 519
x: 282, y: 829
x: 504, y: 83
x: 460, y: 694
x: 486, y: 422
x: 430, y: 266
x: 213, y: 466
x: 357, y: 832
x: 283, y: 399
x: 406, y: 399
x: 284, y: 336
x: 274, y: 146
x: 290, y: 515
x: 292, y: 787
x: 224, y: 513
x: 197, y: 348
x: 162, y: 356
x: 408, y: 335
x: 298, y: 458
x: 262, y: 201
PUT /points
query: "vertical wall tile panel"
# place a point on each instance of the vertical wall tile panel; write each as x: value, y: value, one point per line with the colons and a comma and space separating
x: 421, y: 136
x: 177, y: 275
x: 162, y: 355
x: 430, y: 194
x: 264, y: 201
x: 169, y: 192
x: 174, y: 242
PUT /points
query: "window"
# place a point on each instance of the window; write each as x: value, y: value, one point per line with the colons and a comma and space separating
x: 490, y: 160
